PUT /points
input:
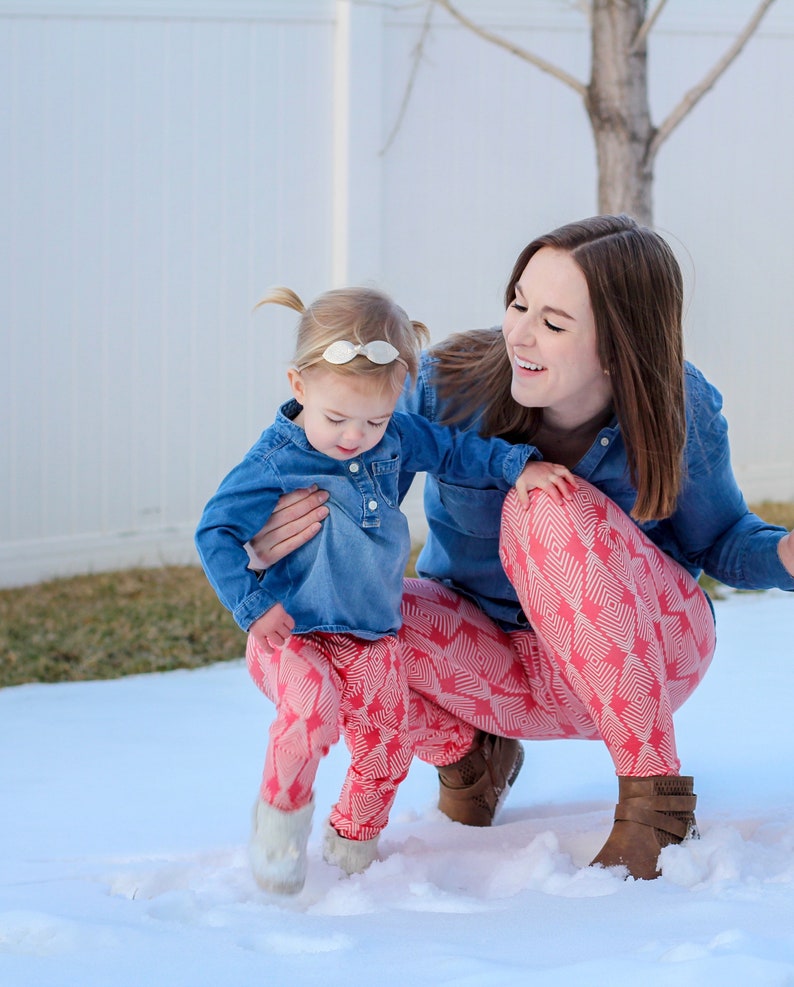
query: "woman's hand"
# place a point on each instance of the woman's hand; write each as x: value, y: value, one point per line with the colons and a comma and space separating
x: 296, y: 519
x: 557, y: 481
x: 785, y: 550
x: 272, y: 629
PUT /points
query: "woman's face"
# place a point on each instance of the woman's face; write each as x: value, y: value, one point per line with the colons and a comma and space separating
x: 550, y: 335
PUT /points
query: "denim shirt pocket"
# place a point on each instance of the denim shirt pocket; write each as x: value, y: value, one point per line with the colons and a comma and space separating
x: 473, y: 511
x: 386, y: 474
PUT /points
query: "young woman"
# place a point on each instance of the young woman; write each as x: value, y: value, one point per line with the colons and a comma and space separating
x: 323, y: 623
x: 580, y: 617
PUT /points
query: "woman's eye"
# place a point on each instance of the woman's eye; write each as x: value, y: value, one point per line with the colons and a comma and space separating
x: 550, y: 325
x: 519, y: 308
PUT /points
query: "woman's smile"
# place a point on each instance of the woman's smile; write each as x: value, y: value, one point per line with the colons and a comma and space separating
x: 526, y: 365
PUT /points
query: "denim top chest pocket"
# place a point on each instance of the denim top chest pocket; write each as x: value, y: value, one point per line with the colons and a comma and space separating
x: 386, y: 474
x: 472, y: 510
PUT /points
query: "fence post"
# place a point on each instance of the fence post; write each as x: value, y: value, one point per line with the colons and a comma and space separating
x: 357, y: 138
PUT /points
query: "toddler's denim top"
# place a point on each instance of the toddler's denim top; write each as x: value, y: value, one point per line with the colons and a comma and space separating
x: 711, y: 529
x: 348, y: 578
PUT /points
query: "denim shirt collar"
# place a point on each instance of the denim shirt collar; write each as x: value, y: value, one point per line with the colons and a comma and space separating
x: 604, y: 441
x: 285, y: 424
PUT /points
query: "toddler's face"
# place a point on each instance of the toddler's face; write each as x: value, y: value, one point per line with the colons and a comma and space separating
x: 343, y: 415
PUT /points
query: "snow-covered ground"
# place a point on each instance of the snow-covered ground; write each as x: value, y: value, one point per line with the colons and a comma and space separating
x: 124, y: 816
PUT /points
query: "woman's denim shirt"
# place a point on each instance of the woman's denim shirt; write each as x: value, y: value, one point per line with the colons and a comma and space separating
x: 348, y: 578
x: 711, y: 530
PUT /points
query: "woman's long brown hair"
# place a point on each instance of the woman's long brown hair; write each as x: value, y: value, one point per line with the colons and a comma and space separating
x: 636, y: 293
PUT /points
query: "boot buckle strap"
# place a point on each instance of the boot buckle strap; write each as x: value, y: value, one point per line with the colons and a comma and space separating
x: 664, y: 803
x: 650, y: 817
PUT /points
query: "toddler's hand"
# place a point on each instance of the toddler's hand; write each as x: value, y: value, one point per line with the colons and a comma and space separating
x: 558, y: 481
x: 272, y: 629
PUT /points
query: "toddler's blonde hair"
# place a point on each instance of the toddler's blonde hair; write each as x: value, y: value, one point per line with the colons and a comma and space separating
x: 359, y: 315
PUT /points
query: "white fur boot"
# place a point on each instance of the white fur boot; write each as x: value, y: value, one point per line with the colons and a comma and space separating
x: 278, y: 847
x: 353, y: 856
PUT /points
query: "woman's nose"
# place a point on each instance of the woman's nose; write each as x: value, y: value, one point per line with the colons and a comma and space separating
x: 522, y: 329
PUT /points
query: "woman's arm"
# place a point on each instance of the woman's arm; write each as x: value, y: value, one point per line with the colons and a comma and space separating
x: 712, y: 521
x: 295, y: 520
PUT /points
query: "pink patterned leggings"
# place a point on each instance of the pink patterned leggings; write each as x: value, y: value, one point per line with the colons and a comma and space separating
x: 324, y: 684
x: 620, y: 637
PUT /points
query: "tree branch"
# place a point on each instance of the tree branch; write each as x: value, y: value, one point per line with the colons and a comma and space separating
x: 693, y: 97
x: 527, y: 56
x: 647, y: 24
x: 418, y: 52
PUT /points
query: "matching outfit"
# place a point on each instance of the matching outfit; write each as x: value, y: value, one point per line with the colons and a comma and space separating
x: 561, y: 621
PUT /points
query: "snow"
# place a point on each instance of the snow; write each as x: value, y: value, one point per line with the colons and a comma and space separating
x: 126, y: 808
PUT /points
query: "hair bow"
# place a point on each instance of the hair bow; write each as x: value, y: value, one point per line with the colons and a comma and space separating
x: 377, y: 351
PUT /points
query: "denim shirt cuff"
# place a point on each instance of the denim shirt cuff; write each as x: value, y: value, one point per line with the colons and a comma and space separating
x: 516, y: 460
x: 252, y: 608
x: 781, y: 577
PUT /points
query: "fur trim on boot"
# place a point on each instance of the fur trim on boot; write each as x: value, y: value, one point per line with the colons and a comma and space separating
x: 353, y: 856
x: 278, y: 847
x: 651, y: 814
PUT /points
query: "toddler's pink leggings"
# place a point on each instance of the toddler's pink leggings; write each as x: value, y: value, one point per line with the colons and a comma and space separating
x: 621, y: 635
x: 322, y: 684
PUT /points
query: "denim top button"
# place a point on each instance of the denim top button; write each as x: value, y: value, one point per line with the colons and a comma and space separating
x: 354, y: 467
x: 372, y: 505
x: 604, y: 441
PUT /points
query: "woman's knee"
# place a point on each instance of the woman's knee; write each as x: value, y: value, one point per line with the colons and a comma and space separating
x: 524, y: 529
x: 589, y: 520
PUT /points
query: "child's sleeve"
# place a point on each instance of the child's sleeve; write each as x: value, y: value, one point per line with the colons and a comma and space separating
x: 238, y: 510
x: 458, y: 455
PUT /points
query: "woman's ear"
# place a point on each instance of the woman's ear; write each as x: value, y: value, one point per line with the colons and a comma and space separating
x: 297, y: 384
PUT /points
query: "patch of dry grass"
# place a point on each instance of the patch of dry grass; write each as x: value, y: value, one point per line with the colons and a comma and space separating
x: 112, y: 624
x: 776, y: 512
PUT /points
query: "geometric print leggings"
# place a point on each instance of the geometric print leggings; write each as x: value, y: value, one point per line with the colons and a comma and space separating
x: 620, y: 637
x: 326, y: 684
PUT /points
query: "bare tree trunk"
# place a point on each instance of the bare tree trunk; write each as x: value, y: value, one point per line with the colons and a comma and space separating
x: 616, y: 98
x: 617, y: 105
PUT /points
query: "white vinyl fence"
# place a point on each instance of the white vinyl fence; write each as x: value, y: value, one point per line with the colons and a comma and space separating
x: 163, y: 163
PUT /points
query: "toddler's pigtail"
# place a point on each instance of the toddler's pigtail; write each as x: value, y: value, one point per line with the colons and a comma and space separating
x: 282, y: 296
x: 422, y: 334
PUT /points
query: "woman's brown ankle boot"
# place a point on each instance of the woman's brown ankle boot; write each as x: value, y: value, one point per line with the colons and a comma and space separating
x: 471, y: 791
x: 651, y: 813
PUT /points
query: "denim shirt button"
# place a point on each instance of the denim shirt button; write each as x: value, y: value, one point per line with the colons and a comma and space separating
x: 604, y: 441
x: 354, y: 467
x: 373, y: 505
